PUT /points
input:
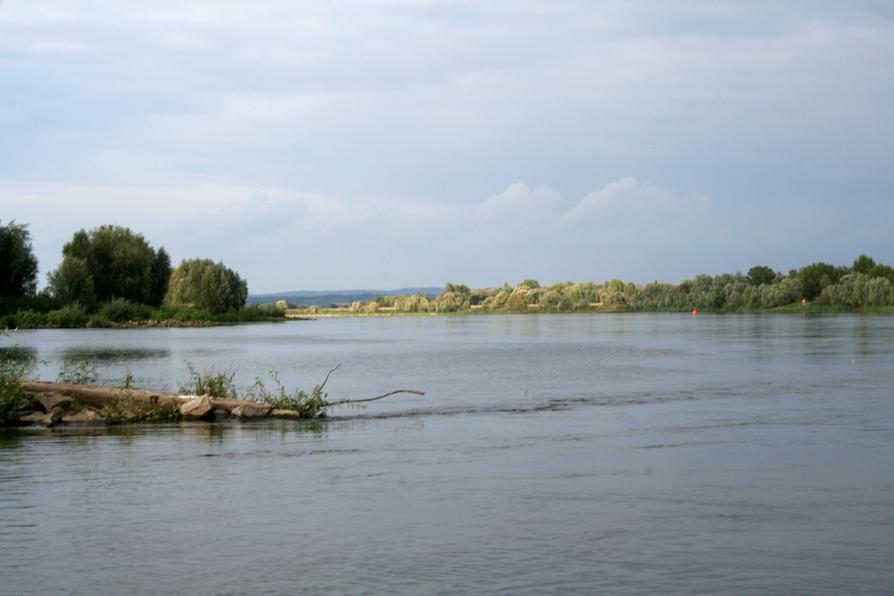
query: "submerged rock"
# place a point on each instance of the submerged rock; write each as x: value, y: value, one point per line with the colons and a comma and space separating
x: 52, y: 401
x: 84, y: 415
x: 220, y: 414
x: 280, y: 413
x: 250, y: 410
x: 51, y: 418
x: 197, y: 409
x: 31, y: 417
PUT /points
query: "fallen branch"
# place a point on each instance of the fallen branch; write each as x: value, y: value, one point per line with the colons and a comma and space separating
x: 360, y: 401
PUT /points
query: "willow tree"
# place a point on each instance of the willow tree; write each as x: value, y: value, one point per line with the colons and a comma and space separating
x: 204, y: 284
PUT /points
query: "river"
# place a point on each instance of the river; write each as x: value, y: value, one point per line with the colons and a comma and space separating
x: 570, y: 453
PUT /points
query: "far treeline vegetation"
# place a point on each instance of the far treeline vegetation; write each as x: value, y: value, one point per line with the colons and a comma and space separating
x: 111, y: 276
x: 818, y: 287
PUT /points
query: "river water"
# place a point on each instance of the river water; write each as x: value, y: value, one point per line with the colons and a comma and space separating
x: 575, y: 454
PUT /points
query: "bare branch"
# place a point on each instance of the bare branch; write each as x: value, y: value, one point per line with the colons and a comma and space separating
x: 326, y: 380
x: 358, y: 401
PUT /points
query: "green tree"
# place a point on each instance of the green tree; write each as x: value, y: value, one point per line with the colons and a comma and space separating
x: 817, y: 276
x: 761, y: 274
x: 18, y: 265
x: 118, y: 263
x: 863, y: 264
x: 71, y: 282
x: 204, y: 284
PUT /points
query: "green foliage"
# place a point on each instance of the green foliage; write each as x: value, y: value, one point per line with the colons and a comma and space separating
x: 761, y: 274
x: 77, y: 371
x: 109, y: 262
x: 307, y: 406
x: 124, y: 409
x: 71, y: 282
x: 12, y: 395
x: 18, y: 265
x: 23, y: 319
x: 68, y: 317
x: 210, y: 382
x: 818, y: 276
x: 206, y: 285
x: 863, y: 264
x: 121, y: 310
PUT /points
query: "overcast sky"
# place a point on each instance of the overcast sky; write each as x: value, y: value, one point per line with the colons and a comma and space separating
x: 387, y: 143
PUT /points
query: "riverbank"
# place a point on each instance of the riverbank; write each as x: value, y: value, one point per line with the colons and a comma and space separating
x: 810, y: 308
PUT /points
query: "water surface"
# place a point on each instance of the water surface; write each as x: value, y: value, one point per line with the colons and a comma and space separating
x: 580, y: 453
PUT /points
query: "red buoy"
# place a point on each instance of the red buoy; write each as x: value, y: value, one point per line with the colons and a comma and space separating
x: 694, y: 312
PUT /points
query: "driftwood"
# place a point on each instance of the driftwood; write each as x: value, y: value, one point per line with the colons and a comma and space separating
x: 98, y: 397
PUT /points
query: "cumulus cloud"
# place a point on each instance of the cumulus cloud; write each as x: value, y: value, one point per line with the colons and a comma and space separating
x: 376, y: 138
x: 518, y: 196
x: 631, y: 197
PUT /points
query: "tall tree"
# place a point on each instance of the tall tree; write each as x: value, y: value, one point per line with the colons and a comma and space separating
x: 115, y: 262
x: 761, y: 274
x: 18, y: 265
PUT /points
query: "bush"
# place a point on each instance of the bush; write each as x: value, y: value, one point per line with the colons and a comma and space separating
x: 68, y: 317
x: 120, y: 310
x: 12, y: 395
x: 307, y: 406
x: 24, y: 319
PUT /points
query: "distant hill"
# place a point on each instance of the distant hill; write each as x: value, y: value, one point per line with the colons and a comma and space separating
x: 338, y: 297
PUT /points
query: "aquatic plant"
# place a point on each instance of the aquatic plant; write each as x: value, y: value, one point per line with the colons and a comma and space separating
x: 307, y: 406
x: 210, y: 382
x: 77, y: 370
x: 124, y: 409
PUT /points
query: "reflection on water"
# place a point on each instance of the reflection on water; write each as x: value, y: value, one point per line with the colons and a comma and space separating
x: 103, y: 355
x: 18, y: 354
x: 618, y: 454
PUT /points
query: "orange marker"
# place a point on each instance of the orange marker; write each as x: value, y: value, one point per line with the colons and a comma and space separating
x: 694, y: 312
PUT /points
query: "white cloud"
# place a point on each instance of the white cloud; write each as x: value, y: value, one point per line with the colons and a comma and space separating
x: 629, y: 197
x: 518, y: 196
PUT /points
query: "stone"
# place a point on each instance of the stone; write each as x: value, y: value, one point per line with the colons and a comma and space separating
x: 250, y: 410
x: 196, y: 409
x: 220, y: 414
x: 280, y: 413
x: 84, y: 415
x: 31, y: 417
x: 52, y: 401
x: 51, y: 418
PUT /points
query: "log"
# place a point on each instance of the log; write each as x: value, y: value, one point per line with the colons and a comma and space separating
x: 98, y: 397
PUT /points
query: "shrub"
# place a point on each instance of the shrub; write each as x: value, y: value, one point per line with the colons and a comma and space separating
x: 210, y: 382
x: 12, y: 395
x: 68, y: 317
x: 307, y: 406
x: 23, y: 319
x: 121, y: 310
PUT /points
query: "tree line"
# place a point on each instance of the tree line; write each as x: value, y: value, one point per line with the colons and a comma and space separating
x: 113, y: 272
x: 864, y: 284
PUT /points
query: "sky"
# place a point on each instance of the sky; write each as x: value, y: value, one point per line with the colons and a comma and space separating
x: 393, y: 143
